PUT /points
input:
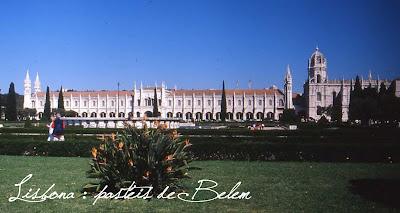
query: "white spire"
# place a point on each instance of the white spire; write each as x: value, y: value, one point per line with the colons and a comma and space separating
x: 288, y: 72
x: 288, y: 89
x: 37, y: 85
x: 369, y: 75
x: 27, y: 76
x: 27, y: 91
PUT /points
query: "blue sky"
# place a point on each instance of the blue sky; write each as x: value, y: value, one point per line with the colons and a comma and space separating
x: 93, y: 44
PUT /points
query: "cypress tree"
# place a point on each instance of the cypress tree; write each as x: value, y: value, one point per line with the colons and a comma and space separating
x: 1, y: 105
x: 337, y: 108
x: 60, y: 100
x: 355, y: 105
x: 391, y: 91
x: 382, y: 89
x: 155, y: 104
x: 47, y: 110
x: 223, y: 103
x: 358, y: 91
x: 11, y: 108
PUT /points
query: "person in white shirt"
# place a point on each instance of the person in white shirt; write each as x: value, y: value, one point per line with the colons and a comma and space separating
x: 51, y: 128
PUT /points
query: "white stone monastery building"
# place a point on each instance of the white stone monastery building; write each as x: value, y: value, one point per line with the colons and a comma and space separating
x: 204, y: 105
x: 242, y: 104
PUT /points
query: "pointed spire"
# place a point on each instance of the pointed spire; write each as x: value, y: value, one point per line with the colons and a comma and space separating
x: 317, y: 48
x: 27, y: 75
x: 37, y: 85
x: 288, y: 72
x: 37, y: 77
x: 370, y: 75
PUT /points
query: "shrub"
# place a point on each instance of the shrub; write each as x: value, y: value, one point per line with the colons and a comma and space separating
x: 28, y: 123
x: 148, y: 157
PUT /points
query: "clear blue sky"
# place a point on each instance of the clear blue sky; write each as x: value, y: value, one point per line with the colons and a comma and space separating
x: 93, y: 44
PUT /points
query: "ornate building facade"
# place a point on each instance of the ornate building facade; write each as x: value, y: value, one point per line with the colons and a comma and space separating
x: 320, y: 92
x: 242, y: 104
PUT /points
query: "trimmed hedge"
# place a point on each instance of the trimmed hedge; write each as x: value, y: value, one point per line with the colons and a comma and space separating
x: 363, y: 133
x: 212, y: 148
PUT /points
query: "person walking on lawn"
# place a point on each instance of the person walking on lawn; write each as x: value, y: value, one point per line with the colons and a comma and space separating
x: 59, y: 126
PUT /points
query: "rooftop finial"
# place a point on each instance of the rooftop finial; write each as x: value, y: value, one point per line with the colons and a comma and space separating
x: 317, y: 48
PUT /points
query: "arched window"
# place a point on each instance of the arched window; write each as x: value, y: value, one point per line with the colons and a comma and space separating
x: 249, y: 116
x: 218, y: 116
x: 188, y: 115
x: 229, y: 115
x: 169, y: 115
x: 239, y: 116
x: 281, y: 104
x: 319, y: 96
x: 260, y: 116
x: 199, y: 116
x: 209, y: 116
x: 318, y: 78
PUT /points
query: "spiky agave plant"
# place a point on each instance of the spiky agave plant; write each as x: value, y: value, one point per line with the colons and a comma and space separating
x: 150, y: 157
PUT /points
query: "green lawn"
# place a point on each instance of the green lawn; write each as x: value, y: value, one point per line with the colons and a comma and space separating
x: 274, y: 186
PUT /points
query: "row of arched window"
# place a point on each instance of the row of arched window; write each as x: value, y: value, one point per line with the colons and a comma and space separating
x: 190, y: 115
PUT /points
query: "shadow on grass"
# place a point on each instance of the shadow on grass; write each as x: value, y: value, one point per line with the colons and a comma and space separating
x: 385, y: 191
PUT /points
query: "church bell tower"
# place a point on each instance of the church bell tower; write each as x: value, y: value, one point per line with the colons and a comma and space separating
x: 317, y: 67
x: 288, y: 89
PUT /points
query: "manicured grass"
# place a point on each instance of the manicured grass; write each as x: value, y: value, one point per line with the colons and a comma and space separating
x: 274, y: 186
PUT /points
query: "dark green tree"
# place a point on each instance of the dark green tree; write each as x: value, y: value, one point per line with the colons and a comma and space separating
x: 11, y: 108
x: 392, y: 89
x: 156, y: 113
x: 382, y: 89
x: 47, y: 109
x: 355, y: 105
x: 223, y: 103
x: 369, y: 105
x: 60, y: 99
x: 289, y: 116
x: 336, y: 114
x: 26, y: 114
x: 70, y: 113
x: 380, y: 114
x: 1, y: 104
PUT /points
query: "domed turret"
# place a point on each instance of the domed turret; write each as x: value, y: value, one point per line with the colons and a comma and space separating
x: 317, y: 67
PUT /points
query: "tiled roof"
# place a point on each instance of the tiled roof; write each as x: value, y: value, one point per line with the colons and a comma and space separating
x: 228, y: 92
x: 176, y: 92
